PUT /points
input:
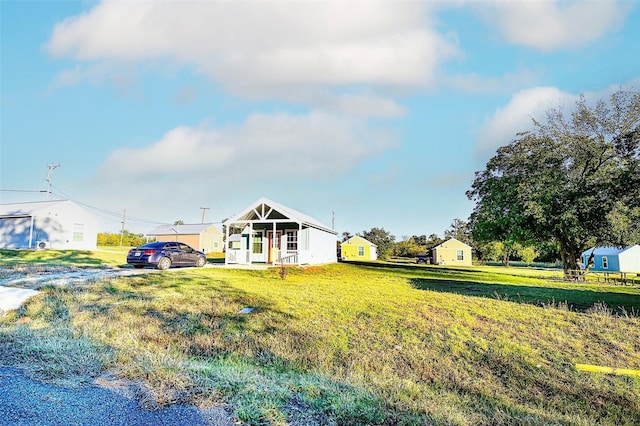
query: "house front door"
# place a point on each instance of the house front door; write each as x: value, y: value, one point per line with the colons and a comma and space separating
x: 257, y: 247
x: 274, y: 245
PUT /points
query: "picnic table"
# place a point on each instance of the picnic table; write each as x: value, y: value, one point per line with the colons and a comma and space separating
x: 607, y: 277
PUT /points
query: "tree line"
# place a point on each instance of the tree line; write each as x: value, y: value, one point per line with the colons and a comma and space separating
x: 492, y: 251
x: 125, y: 238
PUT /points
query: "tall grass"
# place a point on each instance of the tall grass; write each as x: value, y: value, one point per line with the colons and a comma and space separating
x: 347, y: 344
x: 103, y: 256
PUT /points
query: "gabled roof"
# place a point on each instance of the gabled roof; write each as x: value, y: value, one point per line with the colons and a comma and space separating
x: 452, y: 240
x: 185, y: 229
x: 27, y: 209
x: 266, y: 210
x: 358, y: 240
x: 607, y: 251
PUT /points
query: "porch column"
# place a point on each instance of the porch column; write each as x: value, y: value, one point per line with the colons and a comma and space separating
x: 226, y: 245
x: 298, y: 236
x: 274, y: 238
x: 250, y: 253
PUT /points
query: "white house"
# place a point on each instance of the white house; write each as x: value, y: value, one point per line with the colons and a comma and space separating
x: 268, y: 232
x: 614, y: 259
x: 57, y: 225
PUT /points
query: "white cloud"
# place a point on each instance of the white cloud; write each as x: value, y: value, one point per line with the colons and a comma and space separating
x: 259, y: 47
x: 268, y: 155
x: 552, y: 24
x: 530, y: 104
x: 318, y: 145
x: 517, y: 116
x: 476, y: 83
x: 367, y: 105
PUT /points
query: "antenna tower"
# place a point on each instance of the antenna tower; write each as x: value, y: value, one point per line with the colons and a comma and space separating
x: 51, y: 167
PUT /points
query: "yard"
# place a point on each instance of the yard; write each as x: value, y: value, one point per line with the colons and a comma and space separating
x: 343, y: 343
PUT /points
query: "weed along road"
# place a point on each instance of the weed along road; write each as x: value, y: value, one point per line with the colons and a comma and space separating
x: 25, y: 400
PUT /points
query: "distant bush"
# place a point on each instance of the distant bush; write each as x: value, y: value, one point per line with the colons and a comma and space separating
x: 125, y: 239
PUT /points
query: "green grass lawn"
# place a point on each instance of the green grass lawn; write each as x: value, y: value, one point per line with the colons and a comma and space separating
x: 347, y: 344
x: 102, y: 256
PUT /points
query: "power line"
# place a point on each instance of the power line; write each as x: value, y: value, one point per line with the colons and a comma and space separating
x: 21, y: 190
x: 106, y: 212
x: 116, y: 216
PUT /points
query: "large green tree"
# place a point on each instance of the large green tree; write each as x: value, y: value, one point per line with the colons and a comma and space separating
x: 381, y: 238
x: 460, y: 230
x: 574, y: 179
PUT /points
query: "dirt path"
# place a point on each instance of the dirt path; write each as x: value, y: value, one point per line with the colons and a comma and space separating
x: 18, y: 284
x: 34, y: 277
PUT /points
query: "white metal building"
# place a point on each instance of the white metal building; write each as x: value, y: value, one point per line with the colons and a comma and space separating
x: 58, y: 225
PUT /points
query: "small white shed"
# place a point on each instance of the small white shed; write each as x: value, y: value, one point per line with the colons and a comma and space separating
x: 60, y: 225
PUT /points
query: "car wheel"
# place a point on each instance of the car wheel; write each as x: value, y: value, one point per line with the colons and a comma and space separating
x: 164, y: 263
x: 201, y: 261
x: 138, y: 266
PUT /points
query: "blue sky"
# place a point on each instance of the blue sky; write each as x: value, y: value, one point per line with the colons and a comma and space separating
x: 378, y: 112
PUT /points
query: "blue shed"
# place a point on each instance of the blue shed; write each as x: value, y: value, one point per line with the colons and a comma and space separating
x: 614, y: 259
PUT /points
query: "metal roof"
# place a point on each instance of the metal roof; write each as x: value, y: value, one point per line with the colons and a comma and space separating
x: 606, y: 251
x: 185, y: 229
x: 27, y: 209
x: 356, y: 239
x: 452, y: 239
x: 289, y: 213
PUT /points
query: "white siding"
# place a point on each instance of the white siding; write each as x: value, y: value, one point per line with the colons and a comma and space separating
x: 630, y: 259
x: 322, y: 247
x: 67, y: 226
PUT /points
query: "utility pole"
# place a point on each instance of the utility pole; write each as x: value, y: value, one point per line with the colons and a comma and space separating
x: 333, y: 220
x: 124, y: 215
x: 203, y: 211
x: 51, y: 167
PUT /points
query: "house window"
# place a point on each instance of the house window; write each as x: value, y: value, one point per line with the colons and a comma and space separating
x: 78, y: 232
x: 292, y: 240
x: 257, y: 243
x: 460, y: 254
x: 360, y: 251
x: 605, y: 262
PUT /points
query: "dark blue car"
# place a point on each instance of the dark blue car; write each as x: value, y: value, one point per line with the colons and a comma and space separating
x: 163, y: 255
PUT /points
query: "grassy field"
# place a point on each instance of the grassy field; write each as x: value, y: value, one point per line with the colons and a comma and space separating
x: 345, y: 344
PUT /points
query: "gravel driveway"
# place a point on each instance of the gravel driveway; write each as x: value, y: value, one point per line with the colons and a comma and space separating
x: 107, y: 401
x: 25, y: 402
